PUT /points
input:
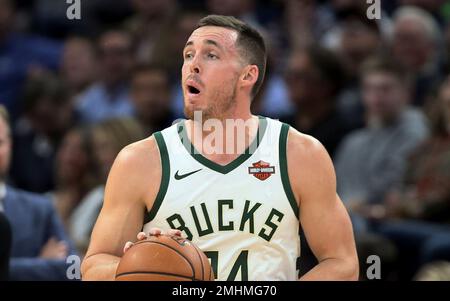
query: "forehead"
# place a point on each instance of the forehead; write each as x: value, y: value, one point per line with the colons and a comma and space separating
x: 223, y: 36
x: 380, y: 76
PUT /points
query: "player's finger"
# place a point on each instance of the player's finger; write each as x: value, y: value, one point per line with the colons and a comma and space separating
x: 141, y: 236
x: 174, y: 232
x: 127, y: 246
x: 155, y: 231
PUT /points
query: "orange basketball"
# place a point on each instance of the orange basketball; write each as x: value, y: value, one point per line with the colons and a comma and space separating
x: 164, y: 258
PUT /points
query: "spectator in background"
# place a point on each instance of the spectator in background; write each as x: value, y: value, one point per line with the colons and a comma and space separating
x: 432, y: 6
x: 19, y: 53
x: 151, y: 28
x: 79, y: 65
x: 415, y: 44
x: 5, y: 245
x: 372, y: 161
x: 150, y: 93
x: 359, y: 39
x: 416, y: 215
x: 109, y: 97
x: 314, y: 77
x: 425, y: 193
x: 108, y: 138
x: 73, y: 174
x: 39, y: 245
x: 47, y: 116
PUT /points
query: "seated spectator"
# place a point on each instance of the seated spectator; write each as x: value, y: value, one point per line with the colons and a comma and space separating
x: 110, y: 96
x: 108, y: 138
x: 39, y: 244
x: 314, y: 77
x: 48, y: 113
x: 73, y: 177
x: 18, y: 54
x: 425, y: 193
x: 416, y: 217
x: 79, y: 65
x: 360, y: 38
x: 150, y: 93
x: 416, y: 37
x: 5, y: 245
x: 372, y: 161
x: 151, y: 27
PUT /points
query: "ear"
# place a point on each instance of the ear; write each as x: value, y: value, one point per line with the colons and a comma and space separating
x: 249, y: 76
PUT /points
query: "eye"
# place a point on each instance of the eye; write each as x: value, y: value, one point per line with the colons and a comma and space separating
x: 188, y: 55
x: 212, y: 56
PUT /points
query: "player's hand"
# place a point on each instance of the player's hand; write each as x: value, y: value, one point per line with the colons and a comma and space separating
x: 152, y: 232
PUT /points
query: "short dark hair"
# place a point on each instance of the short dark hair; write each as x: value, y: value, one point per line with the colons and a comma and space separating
x: 48, y: 86
x: 249, y: 41
x: 149, y: 68
x: 385, y: 64
x: 327, y: 63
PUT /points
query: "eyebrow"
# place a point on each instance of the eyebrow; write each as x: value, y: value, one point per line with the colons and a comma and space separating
x: 208, y: 42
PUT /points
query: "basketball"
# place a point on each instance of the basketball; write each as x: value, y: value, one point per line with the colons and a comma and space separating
x: 164, y: 258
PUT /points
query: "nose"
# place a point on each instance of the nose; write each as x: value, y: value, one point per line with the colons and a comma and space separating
x: 195, y: 66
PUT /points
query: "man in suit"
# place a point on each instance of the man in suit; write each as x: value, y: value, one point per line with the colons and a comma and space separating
x: 39, y: 245
x: 5, y: 246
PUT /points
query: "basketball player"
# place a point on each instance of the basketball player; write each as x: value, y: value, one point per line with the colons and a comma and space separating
x: 242, y: 208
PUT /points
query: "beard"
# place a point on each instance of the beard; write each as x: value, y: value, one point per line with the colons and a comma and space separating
x: 219, y: 104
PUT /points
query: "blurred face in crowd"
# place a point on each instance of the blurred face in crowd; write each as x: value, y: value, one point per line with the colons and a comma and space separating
x: 210, y: 73
x: 78, y: 65
x: 412, y: 46
x: 303, y: 80
x: 105, y: 151
x: 358, y: 42
x: 115, y: 56
x: 72, y: 159
x: 384, y: 95
x: 150, y: 93
x: 5, y: 148
x: 6, y: 16
x: 51, y: 116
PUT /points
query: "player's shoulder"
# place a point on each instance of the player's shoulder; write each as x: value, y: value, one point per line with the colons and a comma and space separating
x: 303, y: 145
x: 138, y: 157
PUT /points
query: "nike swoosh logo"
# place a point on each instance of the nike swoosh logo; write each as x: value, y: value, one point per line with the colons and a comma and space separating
x: 179, y: 177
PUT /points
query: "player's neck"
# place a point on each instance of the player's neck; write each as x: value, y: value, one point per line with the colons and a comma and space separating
x: 222, y: 140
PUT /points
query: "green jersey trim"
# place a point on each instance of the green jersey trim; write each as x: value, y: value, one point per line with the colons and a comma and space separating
x: 224, y: 169
x: 165, y: 164
x: 284, y: 168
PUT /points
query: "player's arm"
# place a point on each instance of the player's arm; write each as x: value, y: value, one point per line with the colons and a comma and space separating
x: 323, y: 217
x: 134, y: 177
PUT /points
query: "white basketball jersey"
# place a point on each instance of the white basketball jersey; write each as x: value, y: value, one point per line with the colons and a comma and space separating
x: 243, y: 215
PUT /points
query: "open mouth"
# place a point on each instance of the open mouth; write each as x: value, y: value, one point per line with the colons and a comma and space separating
x: 193, y: 90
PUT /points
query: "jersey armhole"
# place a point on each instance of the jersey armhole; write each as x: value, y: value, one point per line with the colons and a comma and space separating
x: 284, y: 168
x: 165, y: 171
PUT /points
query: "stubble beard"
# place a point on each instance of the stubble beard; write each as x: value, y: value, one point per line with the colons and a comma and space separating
x: 222, y: 102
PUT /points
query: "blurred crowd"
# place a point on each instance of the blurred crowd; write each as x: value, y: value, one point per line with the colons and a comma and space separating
x: 376, y: 93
